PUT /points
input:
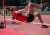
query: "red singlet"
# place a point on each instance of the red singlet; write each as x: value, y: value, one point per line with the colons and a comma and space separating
x: 20, y: 16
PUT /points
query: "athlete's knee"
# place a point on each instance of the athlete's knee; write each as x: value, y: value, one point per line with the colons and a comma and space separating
x: 30, y: 4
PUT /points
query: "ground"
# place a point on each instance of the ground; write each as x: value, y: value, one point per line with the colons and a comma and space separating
x: 29, y: 28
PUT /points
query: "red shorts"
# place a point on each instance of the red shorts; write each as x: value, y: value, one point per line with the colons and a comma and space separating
x: 20, y: 17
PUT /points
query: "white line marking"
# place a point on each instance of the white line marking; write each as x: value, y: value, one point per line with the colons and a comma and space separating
x: 13, y: 20
x: 31, y: 22
x: 43, y: 18
x: 41, y: 23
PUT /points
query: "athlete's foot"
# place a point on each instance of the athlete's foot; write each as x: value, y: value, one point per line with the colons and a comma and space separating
x: 43, y: 8
x: 44, y: 26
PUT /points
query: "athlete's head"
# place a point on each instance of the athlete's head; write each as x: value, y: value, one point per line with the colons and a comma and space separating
x: 9, y: 8
x: 13, y: 8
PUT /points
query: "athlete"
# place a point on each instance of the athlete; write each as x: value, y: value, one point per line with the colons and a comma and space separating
x: 30, y: 14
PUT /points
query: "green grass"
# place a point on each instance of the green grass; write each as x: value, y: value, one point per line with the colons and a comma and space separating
x: 35, y: 10
x: 38, y: 10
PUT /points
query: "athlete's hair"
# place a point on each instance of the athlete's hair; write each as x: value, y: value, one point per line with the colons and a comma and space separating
x: 12, y: 8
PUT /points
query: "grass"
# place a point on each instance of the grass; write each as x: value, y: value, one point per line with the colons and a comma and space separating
x: 24, y: 12
x: 38, y: 10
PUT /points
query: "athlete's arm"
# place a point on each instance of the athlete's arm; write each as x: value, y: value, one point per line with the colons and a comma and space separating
x: 21, y: 10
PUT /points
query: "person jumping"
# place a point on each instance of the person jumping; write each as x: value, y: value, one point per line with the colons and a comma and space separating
x: 30, y: 14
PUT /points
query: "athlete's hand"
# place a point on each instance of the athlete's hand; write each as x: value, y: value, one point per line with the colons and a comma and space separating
x: 16, y: 11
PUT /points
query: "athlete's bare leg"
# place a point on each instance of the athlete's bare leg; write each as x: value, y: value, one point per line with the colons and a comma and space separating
x: 39, y: 16
x: 31, y: 11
